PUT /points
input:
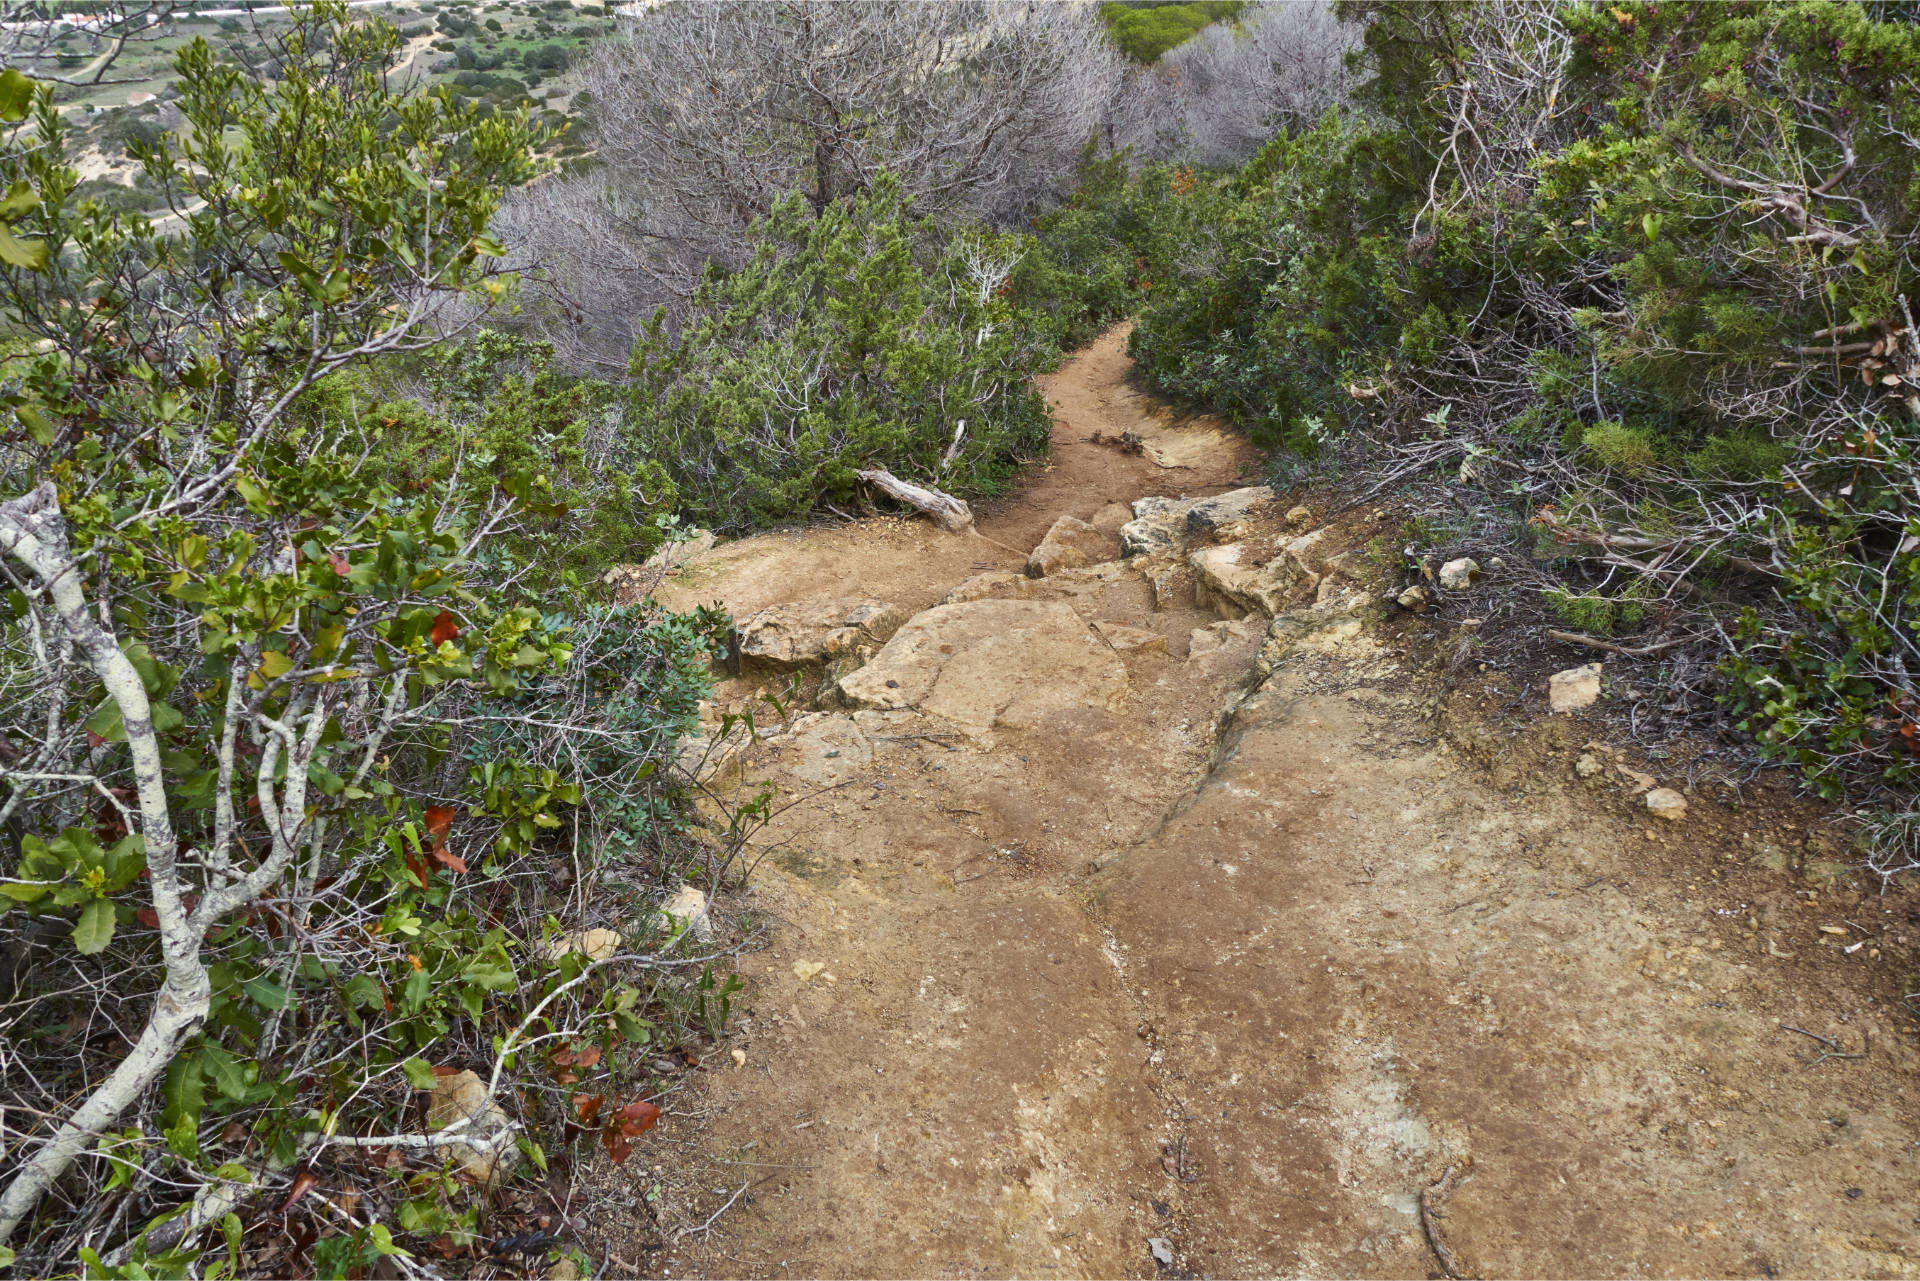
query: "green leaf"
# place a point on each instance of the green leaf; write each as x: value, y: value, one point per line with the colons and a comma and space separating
x: 15, y: 252
x: 419, y: 1073
x: 227, y: 1073
x: 39, y: 430
x: 106, y: 723
x: 183, y: 1137
x: 95, y: 929
x: 266, y: 993
x: 16, y: 95
x: 415, y: 993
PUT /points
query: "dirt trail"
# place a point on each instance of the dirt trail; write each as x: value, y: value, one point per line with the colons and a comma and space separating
x: 1094, y: 952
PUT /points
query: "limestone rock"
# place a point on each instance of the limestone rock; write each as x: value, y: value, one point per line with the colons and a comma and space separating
x: 686, y: 912
x: 1222, y: 581
x: 1300, y: 517
x: 487, y: 1138
x: 1070, y: 544
x: 1217, y: 636
x: 1168, y: 524
x: 1328, y: 626
x: 992, y: 583
x: 988, y: 663
x: 1217, y: 517
x: 1458, y: 575
x: 1574, y: 688
x: 1587, y: 766
x: 783, y: 637
x: 1131, y: 640
x: 1170, y: 580
x: 595, y: 945
x: 1414, y: 598
x: 825, y: 749
x: 1158, y: 525
x: 1664, y: 802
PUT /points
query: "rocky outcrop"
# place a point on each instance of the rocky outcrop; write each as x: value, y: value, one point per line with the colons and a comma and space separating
x: 1224, y: 581
x: 1070, y: 544
x: 1170, y: 524
x: 988, y: 663
x: 785, y: 637
x: 1130, y: 640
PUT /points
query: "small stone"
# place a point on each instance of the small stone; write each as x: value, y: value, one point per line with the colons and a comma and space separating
x: 1458, y: 575
x: 1574, y: 688
x: 1664, y: 802
x: 1496, y: 564
x: 1162, y: 1251
x: 595, y: 945
x: 1414, y: 598
x: 463, y: 1097
x: 1300, y: 517
x: 686, y: 912
x: 1587, y: 766
x: 565, y: 1269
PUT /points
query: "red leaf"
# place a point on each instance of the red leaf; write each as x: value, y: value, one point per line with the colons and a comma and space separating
x: 588, y: 1106
x: 618, y: 1148
x: 587, y: 1056
x: 340, y: 565
x: 446, y: 1071
x: 94, y: 740
x: 445, y: 628
x: 439, y: 819
x: 147, y: 917
x: 636, y: 1118
x: 303, y: 1183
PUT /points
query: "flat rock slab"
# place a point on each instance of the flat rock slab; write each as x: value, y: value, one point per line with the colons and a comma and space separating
x: 984, y: 664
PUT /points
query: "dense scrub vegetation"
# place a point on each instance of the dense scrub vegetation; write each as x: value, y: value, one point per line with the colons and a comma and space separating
x: 1145, y: 29
x: 309, y: 700
x: 312, y: 754
x: 1642, y: 274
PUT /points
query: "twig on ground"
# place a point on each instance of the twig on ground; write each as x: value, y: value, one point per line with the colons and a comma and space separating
x: 1641, y: 651
x: 715, y: 1216
x: 1430, y: 1215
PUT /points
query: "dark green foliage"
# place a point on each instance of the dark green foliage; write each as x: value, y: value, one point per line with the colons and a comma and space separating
x: 842, y: 341
x: 1663, y: 278
x: 1145, y: 29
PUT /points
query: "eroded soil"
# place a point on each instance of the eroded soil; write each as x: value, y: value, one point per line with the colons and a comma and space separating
x: 1091, y: 950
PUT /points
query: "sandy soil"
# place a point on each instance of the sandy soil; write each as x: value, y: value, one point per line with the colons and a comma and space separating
x: 1205, y: 974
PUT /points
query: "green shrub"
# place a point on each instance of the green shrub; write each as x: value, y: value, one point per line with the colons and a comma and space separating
x: 848, y: 338
x: 1627, y: 450
x: 1145, y: 29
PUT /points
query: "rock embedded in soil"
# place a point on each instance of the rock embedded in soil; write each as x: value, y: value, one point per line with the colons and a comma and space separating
x: 784, y: 637
x: 1131, y: 640
x: 686, y: 912
x: 1458, y: 575
x: 1300, y: 517
x: 1070, y: 544
x: 1574, y: 688
x: 595, y: 945
x: 1664, y: 802
x: 985, y: 663
x: 1169, y: 524
x: 463, y: 1096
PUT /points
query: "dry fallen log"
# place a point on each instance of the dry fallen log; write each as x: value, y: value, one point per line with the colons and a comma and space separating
x: 946, y: 511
